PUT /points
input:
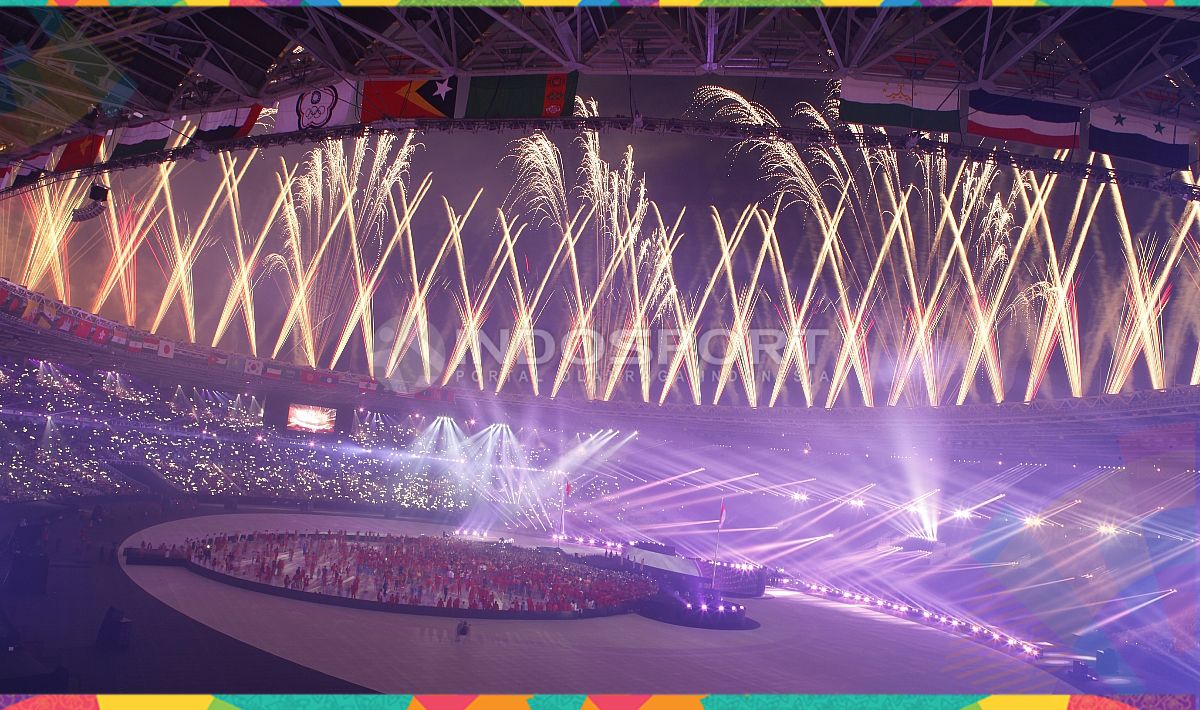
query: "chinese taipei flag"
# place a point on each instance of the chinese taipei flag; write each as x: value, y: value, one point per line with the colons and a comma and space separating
x: 1149, y: 140
x: 1011, y: 118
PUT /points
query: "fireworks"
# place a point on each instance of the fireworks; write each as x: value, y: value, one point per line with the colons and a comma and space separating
x: 882, y: 278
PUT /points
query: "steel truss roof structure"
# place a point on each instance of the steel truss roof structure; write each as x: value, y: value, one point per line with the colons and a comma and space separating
x: 70, y: 70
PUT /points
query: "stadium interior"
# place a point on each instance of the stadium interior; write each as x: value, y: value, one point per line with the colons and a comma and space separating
x: 600, y: 349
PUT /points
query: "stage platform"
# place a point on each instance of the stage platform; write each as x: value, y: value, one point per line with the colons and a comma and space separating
x: 804, y: 645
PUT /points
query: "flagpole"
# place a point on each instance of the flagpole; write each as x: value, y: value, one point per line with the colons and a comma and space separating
x: 717, y: 554
x: 562, y: 512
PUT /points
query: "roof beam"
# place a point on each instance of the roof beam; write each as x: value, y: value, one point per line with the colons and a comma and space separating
x: 537, y: 43
x: 1011, y: 53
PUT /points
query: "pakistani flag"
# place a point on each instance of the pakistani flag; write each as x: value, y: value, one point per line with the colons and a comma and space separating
x: 142, y: 139
x: 920, y: 107
x: 1149, y: 140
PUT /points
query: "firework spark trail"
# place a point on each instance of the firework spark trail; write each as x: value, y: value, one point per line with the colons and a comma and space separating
x: 1141, y: 331
x: 738, y: 351
x: 247, y: 258
x: 637, y: 332
x: 243, y: 265
x: 926, y: 311
x: 854, y: 327
x: 795, y: 323
x: 416, y: 310
x: 366, y: 232
x: 368, y: 277
x: 1059, y: 324
x: 688, y: 332
x: 986, y: 314
x: 126, y: 228
x: 927, y: 314
x: 50, y: 209
x: 182, y: 247
x: 472, y: 311
x: 541, y: 184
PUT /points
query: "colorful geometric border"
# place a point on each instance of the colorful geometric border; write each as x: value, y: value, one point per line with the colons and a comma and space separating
x: 596, y: 702
x: 602, y: 3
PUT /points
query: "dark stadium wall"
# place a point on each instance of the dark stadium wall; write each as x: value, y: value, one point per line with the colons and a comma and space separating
x: 345, y: 420
x: 275, y: 412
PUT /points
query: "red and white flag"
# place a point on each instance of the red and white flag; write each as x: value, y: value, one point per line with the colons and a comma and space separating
x: 721, y: 520
x: 567, y: 489
x: 166, y: 348
x: 254, y: 367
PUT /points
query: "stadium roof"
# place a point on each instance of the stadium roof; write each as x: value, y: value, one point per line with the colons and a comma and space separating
x: 109, y: 66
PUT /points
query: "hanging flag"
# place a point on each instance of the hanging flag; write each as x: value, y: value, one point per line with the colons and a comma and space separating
x: 30, y: 169
x: 920, y: 107
x: 150, y: 343
x: 166, y: 348
x: 404, y: 98
x: 226, y: 125
x: 102, y: 334
x: 133, y: 345
x: 80, y: 153
x: 45, y: 316
x: 1146, y: 139
x: 1011, y: 118
x: 326, y: 379
x: 721, y: 520
x: 367, y: 384
x: 64, y: 323
x: 82, y: 329
x: 308, y: 377
x: 120, y: 337
x: 273, y: 372
x: 142, y: 139
x: 13, y: 305
x: 530, y: 96
x: 254, y: 367
x: 322, y: 107
x: 218, y: 360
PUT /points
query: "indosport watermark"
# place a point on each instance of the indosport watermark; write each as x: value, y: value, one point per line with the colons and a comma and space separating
x: 719, y: 352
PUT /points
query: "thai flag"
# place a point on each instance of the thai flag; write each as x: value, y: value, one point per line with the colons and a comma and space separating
x: 1011, y: 118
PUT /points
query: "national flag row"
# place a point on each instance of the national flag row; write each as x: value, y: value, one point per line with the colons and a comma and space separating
x: 947, y: 109
x: 48, y: 314
x: 339, y: 104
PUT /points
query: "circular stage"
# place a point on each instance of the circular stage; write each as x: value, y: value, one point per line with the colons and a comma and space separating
x: 804, y: 645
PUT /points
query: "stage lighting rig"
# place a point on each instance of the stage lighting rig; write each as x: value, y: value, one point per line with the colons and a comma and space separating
x: 98, y: 196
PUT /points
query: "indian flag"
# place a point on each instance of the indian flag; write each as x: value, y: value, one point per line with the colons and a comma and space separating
x: 919, y: 107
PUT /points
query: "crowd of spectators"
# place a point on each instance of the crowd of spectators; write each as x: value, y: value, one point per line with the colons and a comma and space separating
x: 65, y: 433
x: 441, y: 572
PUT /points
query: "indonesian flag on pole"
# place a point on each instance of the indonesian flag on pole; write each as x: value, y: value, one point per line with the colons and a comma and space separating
x: 567, y: 489
x: 721, y: 520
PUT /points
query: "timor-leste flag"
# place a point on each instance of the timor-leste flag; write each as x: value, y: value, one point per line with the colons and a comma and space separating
x: 530, y: 96
x: 80, y: 153
x: 408, y: 98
